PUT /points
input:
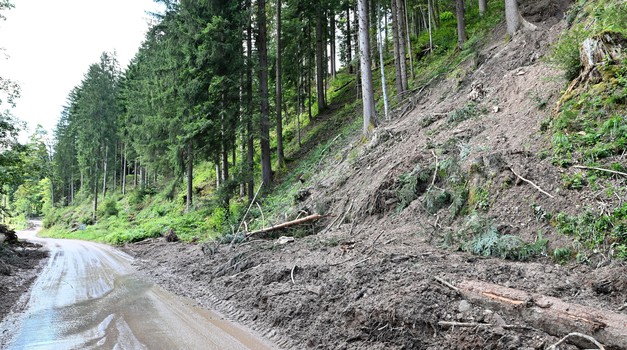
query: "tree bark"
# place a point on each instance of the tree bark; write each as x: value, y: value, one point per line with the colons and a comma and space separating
x: 94, y: 215
x: 264, y: 130
x: 366, y: 71
x: 483, y: 6
x: 552, y: 315
x: 104, y: 172
x: 402, y: 47
x: 382, y: 66
x: 319, y: 62
x: 279, y: 91
x: 397, y: 59
x: 349, y: 49
x: 332, y: 37
x: 515, y: 21
x: 461, y: 23
x: 408, y: 37
x: 250, y: 142
x: 190, y: 177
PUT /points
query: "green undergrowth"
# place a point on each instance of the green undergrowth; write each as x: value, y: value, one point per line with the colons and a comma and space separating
x: 592, y: 230
x: 149, y: 212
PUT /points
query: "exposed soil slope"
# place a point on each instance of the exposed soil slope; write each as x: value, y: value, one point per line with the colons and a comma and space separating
x: 366, y: 279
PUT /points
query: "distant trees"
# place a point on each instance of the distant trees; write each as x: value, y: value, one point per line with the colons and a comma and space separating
x: 213, y: 81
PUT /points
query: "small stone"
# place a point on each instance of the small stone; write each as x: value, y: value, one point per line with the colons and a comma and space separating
x: 284, y: 240
x: 495, y: 109
x: 464, y: 306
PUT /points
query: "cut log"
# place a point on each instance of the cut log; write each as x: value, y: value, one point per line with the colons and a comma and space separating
x: 292, y: 223
x: 551, y: 315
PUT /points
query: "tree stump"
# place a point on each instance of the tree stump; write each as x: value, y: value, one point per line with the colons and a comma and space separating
x: 170, y: 235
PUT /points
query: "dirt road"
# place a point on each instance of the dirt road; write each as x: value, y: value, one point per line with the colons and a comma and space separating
x: 90, y: 296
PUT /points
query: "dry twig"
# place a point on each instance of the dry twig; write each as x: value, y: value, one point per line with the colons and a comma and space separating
x: 447, y: 284
x: 599, y: 169
x: 435, y: 172
x: 292, y: 274
x: 587, y: 337
x: 531, y: 183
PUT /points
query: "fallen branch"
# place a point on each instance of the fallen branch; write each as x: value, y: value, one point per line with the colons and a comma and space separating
x: 587, y: 337
x: 435, y: 172
x: 350, y: 207
x: 599, y: 169
x: 287, y: 224
x: 248, y: 210
x: 292, y: 274
x: 531, y: 183
x: 447, y: 284
x: 476, y: 324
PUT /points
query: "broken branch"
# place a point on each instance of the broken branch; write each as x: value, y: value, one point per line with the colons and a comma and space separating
x: 292, y: 274
x: 531, y: 183
x: 575, y: 334
x: 599, y: 169
x: 287, y: 224
x: 447, y: 284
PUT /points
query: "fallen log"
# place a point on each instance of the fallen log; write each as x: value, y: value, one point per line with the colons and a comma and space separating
x: 551, y: 315
x: 297, y: 222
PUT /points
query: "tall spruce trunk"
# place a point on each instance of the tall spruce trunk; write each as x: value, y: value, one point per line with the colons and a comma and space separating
x: 397, y: 58
x: 319, y: 63
x: 250, y: 142
x: 366, y: 71
x: 264, y: 130
x: 349, y: 49
x: 190, y: 177
x: 279, y: 91
x: 95, y: 209
x: 408, y: 38
x: 104, y: 172
x: 483, y: 6
x: 382, y: 66
x: 461, y: 23
x: 332, y: 44
x: 402, y: 47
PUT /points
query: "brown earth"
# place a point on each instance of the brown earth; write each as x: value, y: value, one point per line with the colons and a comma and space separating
x: 366, y: 278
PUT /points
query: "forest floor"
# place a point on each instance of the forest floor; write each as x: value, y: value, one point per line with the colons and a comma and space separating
x: 374, y: 274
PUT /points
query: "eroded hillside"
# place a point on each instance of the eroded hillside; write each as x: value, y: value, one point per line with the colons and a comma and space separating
x: 464, y: 187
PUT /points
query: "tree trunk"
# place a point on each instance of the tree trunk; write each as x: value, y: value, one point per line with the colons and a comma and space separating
x: 408, y: 36
x: 549, y: 314
x: 104, y: 172
x: 250, y: 142
x: 349, y: 49
x: 430, y: 26
x: 124, y: 172
x: 433, y: 14
x: 333, y: 49
x: 397, y: 59
x: 135, y: 178
x: 94, y: 215
x: 319, y: 63
x: 366, y: 71
x: 264, y: 131
x: 402, y: 48
x: 513, y: 18
x: 483, y: 6
x: 461, y: 23
x: 382, y: 64
x: 190, y: 177
x: 279, y: 91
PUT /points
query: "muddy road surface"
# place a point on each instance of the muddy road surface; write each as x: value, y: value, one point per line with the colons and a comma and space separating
x: 89, y: 296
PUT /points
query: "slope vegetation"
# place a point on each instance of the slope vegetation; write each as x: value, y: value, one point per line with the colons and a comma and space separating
x: 471, y: 181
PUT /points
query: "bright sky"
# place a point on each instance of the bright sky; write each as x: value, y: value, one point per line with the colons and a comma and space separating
x: 51, y: 44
